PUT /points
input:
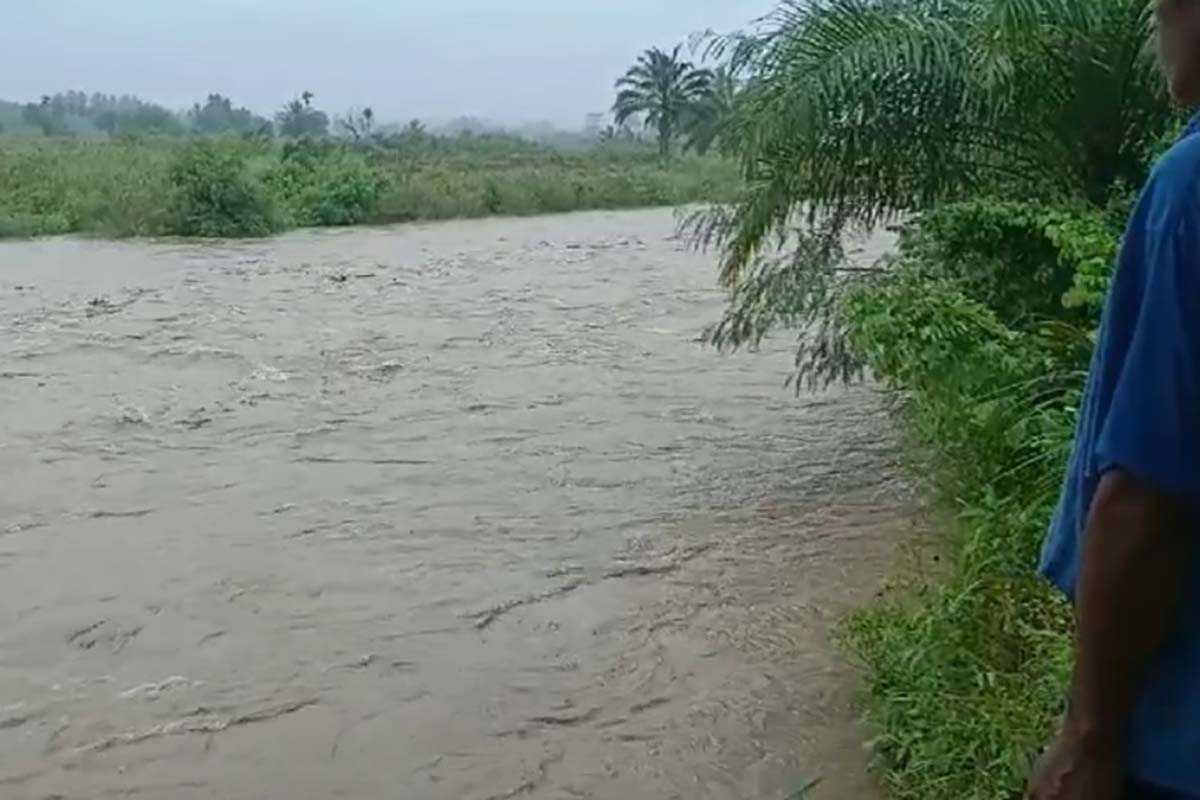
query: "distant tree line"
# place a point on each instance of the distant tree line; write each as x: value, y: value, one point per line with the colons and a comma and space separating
x: 76, y: 114
x: 218, y: 116
x: 80, y: 115
x: 663, y: 94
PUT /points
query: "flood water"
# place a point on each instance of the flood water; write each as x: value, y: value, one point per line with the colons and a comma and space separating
x: 457, y: 511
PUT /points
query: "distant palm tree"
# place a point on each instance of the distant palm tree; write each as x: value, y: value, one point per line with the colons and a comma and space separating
x: 665, y: 91
x: 706, y: 121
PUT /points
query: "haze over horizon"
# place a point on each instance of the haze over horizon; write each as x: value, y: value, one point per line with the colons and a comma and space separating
x: 512, y: 62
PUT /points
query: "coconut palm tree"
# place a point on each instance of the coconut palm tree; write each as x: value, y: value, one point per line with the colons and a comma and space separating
x: 663, y: 90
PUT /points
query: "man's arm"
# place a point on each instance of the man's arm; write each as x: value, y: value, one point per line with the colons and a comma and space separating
x: 1135, y: 560
x: 1135, y: 563
x: 1137, y: 548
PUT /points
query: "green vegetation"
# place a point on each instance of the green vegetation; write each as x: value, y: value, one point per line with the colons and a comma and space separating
x: 249, y: 186
x: 120, y: 166
x: 1009, y: 138
x: 212, y: 194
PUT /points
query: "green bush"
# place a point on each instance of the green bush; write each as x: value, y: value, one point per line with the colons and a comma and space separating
x: 1021, y: 258
x: 968, y: 674
x: 321, y: 183
x: 213, y: 194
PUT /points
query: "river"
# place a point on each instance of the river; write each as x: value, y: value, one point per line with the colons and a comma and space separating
x: 458, y: 511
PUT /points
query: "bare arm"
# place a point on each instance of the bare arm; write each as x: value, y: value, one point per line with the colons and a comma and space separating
x: 1134, y: 565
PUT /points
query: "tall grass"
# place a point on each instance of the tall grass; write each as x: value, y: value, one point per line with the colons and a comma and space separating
x: 137, y: 187
x: 115, y: 188
x: 439, y: 192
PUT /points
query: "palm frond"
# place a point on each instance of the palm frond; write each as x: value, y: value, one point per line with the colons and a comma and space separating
x: 866, y: 108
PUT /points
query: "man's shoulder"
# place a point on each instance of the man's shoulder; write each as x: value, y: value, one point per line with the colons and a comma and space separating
x: 1172, y: 194
x: 1178, y: 171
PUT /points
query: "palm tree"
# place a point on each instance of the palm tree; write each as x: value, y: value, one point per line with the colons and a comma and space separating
x: 856, y: 110
x: 664, y: 90
x: 707, y: 118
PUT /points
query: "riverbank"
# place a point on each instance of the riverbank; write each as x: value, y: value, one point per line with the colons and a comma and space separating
x: 981, y: 326
x: 246, y: 187
x: 967, y: 666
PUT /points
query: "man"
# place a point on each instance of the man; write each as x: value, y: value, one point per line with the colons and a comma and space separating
x: 1123, y: 543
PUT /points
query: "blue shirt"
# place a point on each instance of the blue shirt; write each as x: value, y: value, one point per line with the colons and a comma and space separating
x: 1141, y: 414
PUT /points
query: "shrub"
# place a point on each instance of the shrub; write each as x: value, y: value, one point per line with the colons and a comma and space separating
x: 322, y: 183
x: 213, y: 194
x: 1021, y: 258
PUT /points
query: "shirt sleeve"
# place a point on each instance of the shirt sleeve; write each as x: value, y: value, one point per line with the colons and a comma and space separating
x: 1152, y: 425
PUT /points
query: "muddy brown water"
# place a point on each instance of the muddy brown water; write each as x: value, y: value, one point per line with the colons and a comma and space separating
x: 446, y: 511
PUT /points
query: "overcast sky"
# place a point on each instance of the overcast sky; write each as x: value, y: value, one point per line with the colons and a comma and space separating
x: 507, y: 60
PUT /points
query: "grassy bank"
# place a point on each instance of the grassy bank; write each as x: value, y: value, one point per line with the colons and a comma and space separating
x: 981, y: 327
x: 232, y: 187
